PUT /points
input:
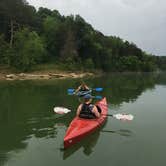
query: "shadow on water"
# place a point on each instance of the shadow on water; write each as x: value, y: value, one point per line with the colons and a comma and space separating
x: 122, y: 132
x: 26, y: 107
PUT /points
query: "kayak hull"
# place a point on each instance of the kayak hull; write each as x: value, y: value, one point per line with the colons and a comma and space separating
x: 80, y: 128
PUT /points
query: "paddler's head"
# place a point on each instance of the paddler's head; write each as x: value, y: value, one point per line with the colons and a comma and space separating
x: 83, y: 84
x: 87, y: 98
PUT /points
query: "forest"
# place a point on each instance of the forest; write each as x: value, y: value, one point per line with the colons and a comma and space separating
x: 30, y: 37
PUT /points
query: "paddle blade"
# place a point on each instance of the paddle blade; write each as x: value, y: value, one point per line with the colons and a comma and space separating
x: 70, y: 90
x: 61, y: 110
x: 70, y: 93
x: 97, y: 97
x: 125, y: 117
x: 98, y: 89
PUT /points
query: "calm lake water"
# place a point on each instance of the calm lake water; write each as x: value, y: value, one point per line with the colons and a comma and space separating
x: 32, y: 135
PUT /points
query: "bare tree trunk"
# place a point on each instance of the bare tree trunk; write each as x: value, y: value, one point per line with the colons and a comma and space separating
x: 11, y: 32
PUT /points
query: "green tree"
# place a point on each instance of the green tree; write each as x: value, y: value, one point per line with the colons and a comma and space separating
x: 3, y: 48
x: 6, y: 52
x: 15, y: 14
x: 69, y: 52
x: 29, y: 49
x: 89, y: 64
x: 160, y: 62
x: 68, y: 39
x: 129, y: 63
x: 52, y: 34
x: 147, y: 63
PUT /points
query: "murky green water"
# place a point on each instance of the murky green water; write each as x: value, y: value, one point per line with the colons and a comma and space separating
x: 32, y: 135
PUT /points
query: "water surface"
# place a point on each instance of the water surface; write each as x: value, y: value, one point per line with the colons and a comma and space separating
x: 31, y: 134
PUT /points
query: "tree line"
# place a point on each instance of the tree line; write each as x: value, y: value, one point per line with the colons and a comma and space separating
x: 29, y: 37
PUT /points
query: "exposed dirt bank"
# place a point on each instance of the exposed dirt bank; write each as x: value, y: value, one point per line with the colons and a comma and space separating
x: 43, y: 75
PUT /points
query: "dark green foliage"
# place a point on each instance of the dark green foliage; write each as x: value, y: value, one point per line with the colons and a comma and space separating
x: 31, y: 37
x: 50, y: 34
x: 69, y: 52
x: 160, y: 62
x: 29, y: 50
x: 15, y: 14
x: 89, y: 64
x: 131, y: 63
x: 6, y: 53
x: 3, y: 47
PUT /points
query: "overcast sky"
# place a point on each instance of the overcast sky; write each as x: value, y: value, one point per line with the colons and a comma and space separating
x: 140, y: 21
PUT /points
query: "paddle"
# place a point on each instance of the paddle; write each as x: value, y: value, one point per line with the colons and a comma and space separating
x: 97, y: 97
x: 124, y: 117
x: 61, y: 110
x: 71, y: 90
x: 98, y: 89
x: 81, y: 95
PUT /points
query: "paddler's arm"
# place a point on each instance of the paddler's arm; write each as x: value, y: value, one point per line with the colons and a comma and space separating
x: 96, y: 112
x: 78, y: 89
x: 87, y: 88
x: 79, y: 110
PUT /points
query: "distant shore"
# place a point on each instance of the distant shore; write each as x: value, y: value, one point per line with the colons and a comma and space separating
x: 43, y: 75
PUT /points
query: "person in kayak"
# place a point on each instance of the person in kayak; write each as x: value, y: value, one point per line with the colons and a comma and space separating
x: 82, y: 87
x: 82, y: 90
x: 87, y: 110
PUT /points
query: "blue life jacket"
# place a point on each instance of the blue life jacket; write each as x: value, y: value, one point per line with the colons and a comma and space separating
x: 86, y: 111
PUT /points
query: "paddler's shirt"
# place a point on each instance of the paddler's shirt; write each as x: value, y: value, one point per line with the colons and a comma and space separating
x: 83, y: 89
x: 86, y: 111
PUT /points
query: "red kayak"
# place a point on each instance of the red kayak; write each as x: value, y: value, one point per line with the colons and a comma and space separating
x: 80, y: 128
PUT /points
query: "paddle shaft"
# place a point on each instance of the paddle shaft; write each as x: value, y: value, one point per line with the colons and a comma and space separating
x: 96, y: 89
x: 108, y: 115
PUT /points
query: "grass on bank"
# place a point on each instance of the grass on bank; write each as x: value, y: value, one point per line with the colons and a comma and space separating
x: 48, y: 68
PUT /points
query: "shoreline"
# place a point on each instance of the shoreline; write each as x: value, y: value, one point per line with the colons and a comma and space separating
x: 44, y: 75
x: 52, y: 74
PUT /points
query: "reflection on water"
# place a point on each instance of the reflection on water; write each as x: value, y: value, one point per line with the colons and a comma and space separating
x: 26, y: 108
x: 128, y: 87
x: 87, y: 145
